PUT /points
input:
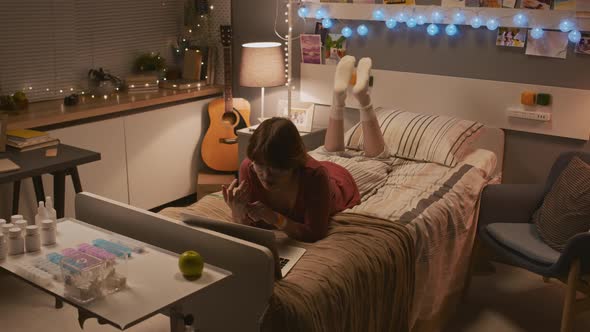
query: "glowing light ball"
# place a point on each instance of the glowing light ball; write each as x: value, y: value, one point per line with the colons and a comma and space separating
x: 321, y: 14
x: 437, y: 16
x: 459, y: 17
x: 411, y: 22
x: 574, y: 36
x: 401, y: 17
x: 378, y: 15
x: 432, y: 29
x: 421, y: 19
x: 302, y: 12
x: 362, y: 30
x: 520, y: 20
x: 391, y: 23
x: 567, y: 25
x: 346, y: 32
x: 492, y: 24
x: 451, y: 30
x: 327, y: 23
x: 476, y: 22
x: 537, y: 33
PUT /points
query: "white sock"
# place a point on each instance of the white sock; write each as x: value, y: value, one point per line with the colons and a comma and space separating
x: 342, y: 78
x: 367, y: 113
x: 361, y: 88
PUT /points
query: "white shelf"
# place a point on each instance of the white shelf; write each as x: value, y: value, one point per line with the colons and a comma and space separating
x: 546, y: 19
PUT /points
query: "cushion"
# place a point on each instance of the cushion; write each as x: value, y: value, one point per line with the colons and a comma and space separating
x: 565, y: 211
x: 524, y: 239
x: 430, y: 138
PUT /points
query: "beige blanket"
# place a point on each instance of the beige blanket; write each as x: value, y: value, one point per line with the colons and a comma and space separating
x: 358, y: 277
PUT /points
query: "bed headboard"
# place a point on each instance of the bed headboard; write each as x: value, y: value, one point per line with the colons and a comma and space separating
x: 473, y: 99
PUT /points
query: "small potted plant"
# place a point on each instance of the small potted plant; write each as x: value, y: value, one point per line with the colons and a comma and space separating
x: 101, y: 82
x: 149, y: 62
x: 335, y: 48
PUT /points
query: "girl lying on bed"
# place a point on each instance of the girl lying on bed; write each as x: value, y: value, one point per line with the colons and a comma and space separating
x: 282, y: 186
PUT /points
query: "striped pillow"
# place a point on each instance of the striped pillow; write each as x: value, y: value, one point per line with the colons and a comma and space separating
x: 431, y: 138
x: 565, y: 211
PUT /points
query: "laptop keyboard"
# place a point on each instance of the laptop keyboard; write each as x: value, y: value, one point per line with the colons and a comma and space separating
x: 283, y: 261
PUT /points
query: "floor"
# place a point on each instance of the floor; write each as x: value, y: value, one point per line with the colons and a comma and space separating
x: 509, y: 300
x: 513, y: 300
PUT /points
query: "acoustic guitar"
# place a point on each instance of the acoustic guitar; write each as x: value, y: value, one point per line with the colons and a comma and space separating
x: 227, y: 115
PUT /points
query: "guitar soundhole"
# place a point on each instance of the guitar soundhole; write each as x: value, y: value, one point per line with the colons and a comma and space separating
x: 229, y: 118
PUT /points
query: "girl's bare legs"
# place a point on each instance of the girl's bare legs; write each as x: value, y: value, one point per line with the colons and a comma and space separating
x: 334, y: 140
x: 372, y: 136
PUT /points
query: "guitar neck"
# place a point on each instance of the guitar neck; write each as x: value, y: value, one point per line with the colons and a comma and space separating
x: 228, y: 79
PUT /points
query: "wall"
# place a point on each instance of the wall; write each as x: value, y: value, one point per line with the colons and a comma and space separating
x: 471, y: 54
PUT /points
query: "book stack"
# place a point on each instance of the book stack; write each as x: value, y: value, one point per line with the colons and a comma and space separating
x: 27, y: 140
x: 142, y: 83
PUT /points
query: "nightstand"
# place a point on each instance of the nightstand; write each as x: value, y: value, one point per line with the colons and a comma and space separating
x: 312, y: 140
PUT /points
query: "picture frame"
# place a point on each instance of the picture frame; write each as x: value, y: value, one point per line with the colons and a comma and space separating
x: 301, y: 114
x: 3, y: 126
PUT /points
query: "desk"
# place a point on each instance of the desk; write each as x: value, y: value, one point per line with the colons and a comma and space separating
x: 34, y: 164
x: 154, y: 283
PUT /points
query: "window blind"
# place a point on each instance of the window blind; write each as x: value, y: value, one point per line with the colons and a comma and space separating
x: 49, y: 45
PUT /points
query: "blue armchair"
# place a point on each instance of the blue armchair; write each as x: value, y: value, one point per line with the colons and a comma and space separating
x: 505, y: 227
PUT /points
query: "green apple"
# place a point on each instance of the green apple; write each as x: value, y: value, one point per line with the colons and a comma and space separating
x: 191, y: 264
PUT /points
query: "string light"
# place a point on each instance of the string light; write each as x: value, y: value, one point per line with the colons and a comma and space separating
x: 302, y: 12
x: 378, y: 15
x: 574, y: 36
x: 421, y: 19
x: 537, y: 33
x: 390, y: 23
x: 476, y: 22
x: 492, y: 24
x: 327, y: 23
x: 401, y: 16
x: 347, y: 32
x: 520, y: 20
x: 459, y: 17
x: 362, y: 30
x: 320, y: 14
x: 451, y: 30
x: 432, y: 29
x: 566, y: 25
x: 437, y: 16
x: 411, y: 22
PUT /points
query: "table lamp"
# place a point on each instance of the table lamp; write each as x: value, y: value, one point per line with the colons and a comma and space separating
x: 262, y: 66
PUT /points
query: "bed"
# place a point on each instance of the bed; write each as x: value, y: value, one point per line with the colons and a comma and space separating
x: 397, y: 261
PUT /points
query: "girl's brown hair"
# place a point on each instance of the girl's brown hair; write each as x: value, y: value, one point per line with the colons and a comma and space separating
x: 276, y: 143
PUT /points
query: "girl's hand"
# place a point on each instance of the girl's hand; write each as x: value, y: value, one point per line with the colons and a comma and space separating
x: 258, y: 211
x: 237, y: 200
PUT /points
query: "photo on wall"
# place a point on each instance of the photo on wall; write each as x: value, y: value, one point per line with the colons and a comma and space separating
x: 453, y: 3
x: 553, y: 45
x: 490, y: 3
x: 565, y: 5
x: 536, y: 4
x: 311, y: 49
x: 509, y: 3
x: 583, y: 47
x: 511, y: 37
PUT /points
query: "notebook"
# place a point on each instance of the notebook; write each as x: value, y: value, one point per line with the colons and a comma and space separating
x: 7, y: 165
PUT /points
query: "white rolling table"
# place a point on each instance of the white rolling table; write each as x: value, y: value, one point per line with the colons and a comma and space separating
x: 154, y: 282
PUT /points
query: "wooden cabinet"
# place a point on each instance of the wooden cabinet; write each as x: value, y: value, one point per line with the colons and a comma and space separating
x: 148, y: 158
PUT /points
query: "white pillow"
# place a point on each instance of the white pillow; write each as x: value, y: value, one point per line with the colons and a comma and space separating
x: 430, y: 138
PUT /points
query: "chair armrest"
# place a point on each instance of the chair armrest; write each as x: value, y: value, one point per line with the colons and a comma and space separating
x: 510, y: 203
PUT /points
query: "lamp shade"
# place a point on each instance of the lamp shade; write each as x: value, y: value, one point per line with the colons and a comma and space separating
x: 262, y: 66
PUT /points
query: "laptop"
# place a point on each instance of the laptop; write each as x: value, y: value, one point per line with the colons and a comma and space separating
x: 287, y: 255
